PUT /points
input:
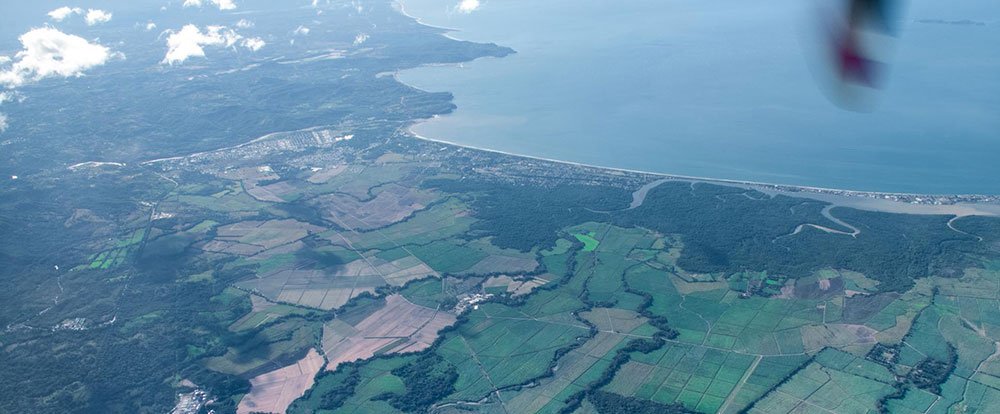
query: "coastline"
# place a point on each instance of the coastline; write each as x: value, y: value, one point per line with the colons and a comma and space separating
x: 897, y: 202
x: 939, y: 196
x: 959, y: 205
x: 401, y: 8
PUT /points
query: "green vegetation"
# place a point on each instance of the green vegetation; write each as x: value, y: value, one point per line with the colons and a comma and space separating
x: 834, y: 381
x: 527, y: 217
x: 433, y: 293
x: 930, y: 373
x: 724, y: 231
x: 206, y: 272
x: 427, y: 380
x: 588, y: 240
x: 608, y: 403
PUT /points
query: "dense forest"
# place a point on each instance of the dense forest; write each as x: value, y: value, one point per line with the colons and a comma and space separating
x: 523, y: 217
x: 428, y: 379
x: 729, y: 229
x: 611, y: 403
x: 726, y: 234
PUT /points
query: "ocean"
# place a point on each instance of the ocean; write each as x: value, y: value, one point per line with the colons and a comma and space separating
x: 722, y: 89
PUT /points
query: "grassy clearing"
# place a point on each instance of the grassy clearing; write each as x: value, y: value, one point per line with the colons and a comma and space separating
x: 589, y: 242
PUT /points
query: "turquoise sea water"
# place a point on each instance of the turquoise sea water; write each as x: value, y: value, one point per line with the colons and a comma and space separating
x: 722, y: 89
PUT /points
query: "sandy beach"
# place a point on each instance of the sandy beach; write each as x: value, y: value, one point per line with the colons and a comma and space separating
x: 862, y: 200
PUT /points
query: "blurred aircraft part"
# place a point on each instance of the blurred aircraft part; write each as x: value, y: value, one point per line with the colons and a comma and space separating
x: 854, y: 44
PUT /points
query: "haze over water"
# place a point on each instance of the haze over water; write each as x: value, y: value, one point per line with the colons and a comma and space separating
x: 722, y: 89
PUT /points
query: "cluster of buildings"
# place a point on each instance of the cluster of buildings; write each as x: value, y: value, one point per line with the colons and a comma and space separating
x: 191, y: 403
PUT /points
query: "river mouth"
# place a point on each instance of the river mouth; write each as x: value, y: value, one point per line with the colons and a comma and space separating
x: 719, y: 90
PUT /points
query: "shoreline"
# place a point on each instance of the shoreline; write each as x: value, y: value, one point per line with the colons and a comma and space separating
x: 401, y: 8
x: 909, y: 203
x: 912, y: 199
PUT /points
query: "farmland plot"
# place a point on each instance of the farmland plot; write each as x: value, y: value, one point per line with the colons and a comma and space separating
x: 274, y: 391
x: 833, y: 382
x: 252, y: 237
x: 391, y: 204
x: 398, y: 327
x: 324, y: 289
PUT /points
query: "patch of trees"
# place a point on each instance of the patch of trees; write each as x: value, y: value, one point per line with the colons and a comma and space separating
x: 899, y: 390
x: 660, y: 322
x: 523, y: 217
x: 730, y: 234
x: 884, y: 355
x: 930, y: 373
x: 448, y: 303
x: 337, y: 395
x: 611, y: 403
x: 428, y: 379
x: 622, y: 357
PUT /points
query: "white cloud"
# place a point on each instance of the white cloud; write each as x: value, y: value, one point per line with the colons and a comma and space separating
x: 48, y: 52
x: 253, y: 43
x: 62, y: 13
x: 150, y: 26
x: 301, y: 30
x: 92, y: 16
x: 96, y: 16
x: 244, y: 24
x: 10, y: 96
x: 360, y: 38
x: 190, y: 42
x: 221, y: 4
x: 4, y: 60
x: 467, y: 6
x: 4, y: 97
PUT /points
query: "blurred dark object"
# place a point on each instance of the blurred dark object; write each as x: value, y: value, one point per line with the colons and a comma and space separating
x: 857, y: 38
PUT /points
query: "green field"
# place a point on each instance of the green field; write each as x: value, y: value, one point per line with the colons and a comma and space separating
x: 748, y: 340
x: 717, y: 309
x: 834, y: 381
x: 589, y: 242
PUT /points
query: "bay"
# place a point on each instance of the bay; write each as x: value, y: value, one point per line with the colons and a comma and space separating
x: 722, y: 89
